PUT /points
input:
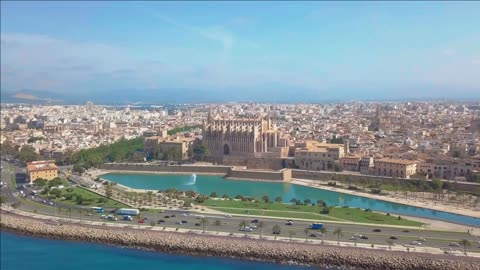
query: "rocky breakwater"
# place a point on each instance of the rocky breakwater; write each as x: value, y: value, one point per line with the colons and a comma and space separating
x: 248, y: 249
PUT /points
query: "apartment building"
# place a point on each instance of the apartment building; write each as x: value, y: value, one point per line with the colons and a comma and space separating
x: 400, y: 168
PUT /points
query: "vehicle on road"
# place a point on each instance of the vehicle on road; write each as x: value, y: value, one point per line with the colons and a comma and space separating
x: 197, y: 224
x: 127, y: 211
x: 253, y: 226
x: 166, y: 217
x: 416, y: 243
x: 141, y: 221
x: 255, y: 221
x: 364, y: 237
x: 422, y: 239
x: 178, y: 223
x: 246, y: 229
x: 393, y: 237
x: 313, y: 235
x: 161, y: 221
x: 289, y: 222
x: 377, y: 230
x: 127, y: 218
x: 454, y: 244
x: 97, y: 209
x: 112, y: 218
x: 228, y: 216
x: 316, y: 226
x: 184, y: 221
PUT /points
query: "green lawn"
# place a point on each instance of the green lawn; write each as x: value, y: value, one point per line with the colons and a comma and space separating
x: 306, y: 212
x: 90, y: 199
x: 13, y: 181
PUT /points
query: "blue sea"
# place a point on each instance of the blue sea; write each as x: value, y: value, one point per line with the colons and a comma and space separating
x: 21, y: 253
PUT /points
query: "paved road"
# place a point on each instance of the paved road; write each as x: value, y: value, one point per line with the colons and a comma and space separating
x: 231, y: 224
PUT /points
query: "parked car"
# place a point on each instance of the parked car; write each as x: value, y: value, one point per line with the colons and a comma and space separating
x: 363, y: 237
x: 312, y: 235
x: 141, y: 221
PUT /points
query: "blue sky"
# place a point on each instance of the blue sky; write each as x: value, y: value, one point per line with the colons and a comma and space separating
x: 244, y: 50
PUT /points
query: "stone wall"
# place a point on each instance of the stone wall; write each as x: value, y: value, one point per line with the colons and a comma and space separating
x: 161, y: 168
x: 282, y: 175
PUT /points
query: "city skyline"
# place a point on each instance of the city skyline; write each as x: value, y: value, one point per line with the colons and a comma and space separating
x: 245, y: 51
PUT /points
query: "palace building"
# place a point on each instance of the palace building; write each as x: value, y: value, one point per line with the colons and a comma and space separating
x: 45, y: 169
x: 248, y: 137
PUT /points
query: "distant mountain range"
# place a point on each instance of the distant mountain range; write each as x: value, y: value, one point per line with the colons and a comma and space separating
x: 278, y: 94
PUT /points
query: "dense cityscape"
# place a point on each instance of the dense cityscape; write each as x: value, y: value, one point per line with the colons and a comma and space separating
x: 438, y: 139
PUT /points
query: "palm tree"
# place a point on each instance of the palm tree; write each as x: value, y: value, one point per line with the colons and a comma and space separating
x: 323, y: 230
x: 69, y: 211
x: 242, y: 224
x: 291, y: 233
x: 204, y: 222
x: 80, y: 212
x: 276, y: 230
x: 217, y: 224
x: 279, y: 199
x: 390, y: 243
x: 338, y: 232
x: 306, y: 231
x: 465, y: 243
x: 260, y: 226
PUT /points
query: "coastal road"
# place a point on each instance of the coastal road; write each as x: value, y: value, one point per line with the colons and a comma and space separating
x: 439, y: 239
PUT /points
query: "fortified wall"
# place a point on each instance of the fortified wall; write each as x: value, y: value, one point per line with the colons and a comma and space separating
x: 223, y: 170
x: 284, y: 175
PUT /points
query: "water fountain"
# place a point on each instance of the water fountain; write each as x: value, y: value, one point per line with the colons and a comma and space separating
x: 193, y: 179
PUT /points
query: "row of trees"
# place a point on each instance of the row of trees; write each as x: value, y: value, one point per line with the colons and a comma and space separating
x: 122, y: 150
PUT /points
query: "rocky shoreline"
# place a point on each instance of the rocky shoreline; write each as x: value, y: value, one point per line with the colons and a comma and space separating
x: 239, y: 248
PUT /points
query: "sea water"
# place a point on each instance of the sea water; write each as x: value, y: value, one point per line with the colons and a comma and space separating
x: 22, y: 253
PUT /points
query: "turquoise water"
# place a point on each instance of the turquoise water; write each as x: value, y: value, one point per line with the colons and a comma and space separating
x: 206, y: 184
x: 21, y: 253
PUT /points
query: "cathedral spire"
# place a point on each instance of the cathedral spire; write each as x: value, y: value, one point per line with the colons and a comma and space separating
x: 209, y: 118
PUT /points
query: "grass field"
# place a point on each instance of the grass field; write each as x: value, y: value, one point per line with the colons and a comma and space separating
x: 90, y: 199
x: 306, y: 212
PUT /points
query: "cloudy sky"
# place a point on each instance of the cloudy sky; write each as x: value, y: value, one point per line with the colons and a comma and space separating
x: 243, y: 50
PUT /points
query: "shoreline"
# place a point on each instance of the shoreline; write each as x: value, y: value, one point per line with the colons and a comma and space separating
x: 294, y: 253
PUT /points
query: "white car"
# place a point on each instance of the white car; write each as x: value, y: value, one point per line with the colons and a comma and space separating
x: 253, y: 226
x: 246, y: 229
x: 416, y: 243
x: 454, y: 244
x: 228, y: 216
